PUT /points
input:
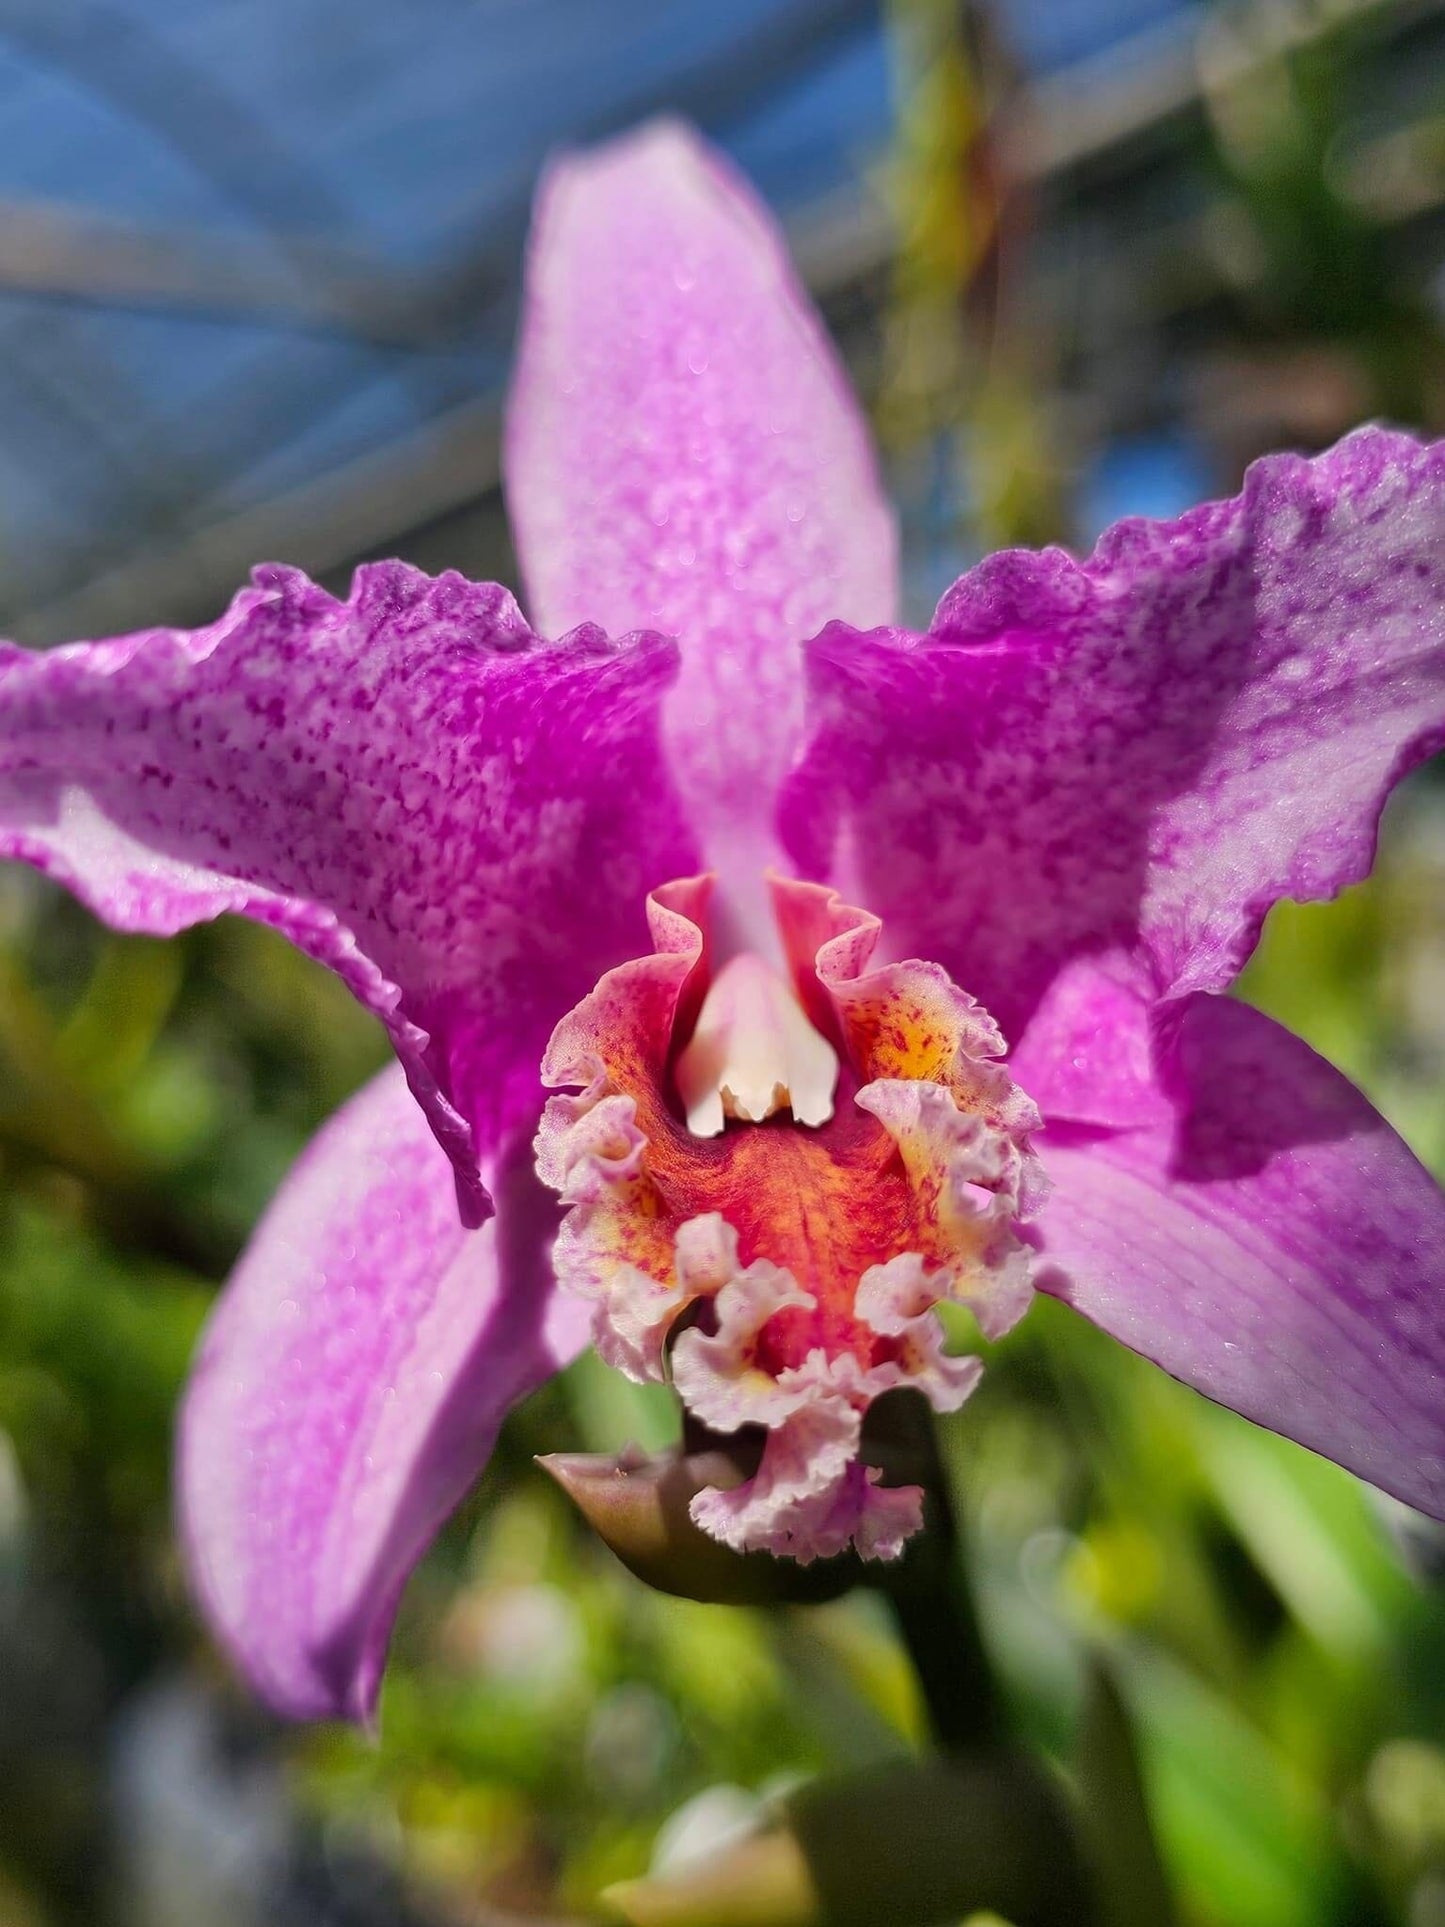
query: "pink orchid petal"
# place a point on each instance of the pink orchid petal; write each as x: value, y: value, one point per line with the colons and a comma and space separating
x: 348, y: 1390
x: 1279, y: 1249
x: 684, y: 453
x: 1140, y: 753
x: 1089, y: 1054
x: 407, y: 784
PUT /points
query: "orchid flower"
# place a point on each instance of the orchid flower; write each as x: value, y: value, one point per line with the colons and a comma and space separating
x: 761, y: 898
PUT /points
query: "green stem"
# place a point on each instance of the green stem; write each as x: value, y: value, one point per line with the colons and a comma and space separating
x: 932, y: 1601
x: 937, y: 1624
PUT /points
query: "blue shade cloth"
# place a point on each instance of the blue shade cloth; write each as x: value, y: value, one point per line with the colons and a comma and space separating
x: 405, y: 137
x: 1159, y: 475
x: 1050, y: 34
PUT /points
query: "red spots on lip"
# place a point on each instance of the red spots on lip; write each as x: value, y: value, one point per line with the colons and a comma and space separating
x: 824, y: 1203
x: 900, y: 1037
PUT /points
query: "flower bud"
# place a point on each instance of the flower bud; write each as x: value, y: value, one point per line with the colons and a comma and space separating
x: 639, y: 1506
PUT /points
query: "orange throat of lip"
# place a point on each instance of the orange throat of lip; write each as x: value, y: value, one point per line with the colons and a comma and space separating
x: 785, y: 1274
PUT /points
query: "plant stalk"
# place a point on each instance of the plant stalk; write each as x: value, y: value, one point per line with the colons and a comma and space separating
x: 932, y: 1600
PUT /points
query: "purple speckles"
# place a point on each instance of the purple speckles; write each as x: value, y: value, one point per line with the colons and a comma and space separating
x: 380, y: 762
x: 1124, y: 755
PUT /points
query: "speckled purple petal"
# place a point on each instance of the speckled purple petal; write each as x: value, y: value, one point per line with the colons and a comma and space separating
x: 1090, y: 1054
x: 460, y: 820
x: 1135, y: 756
x: 1278, y: 1248
x: 347, y: 1392
x: 684, y: 453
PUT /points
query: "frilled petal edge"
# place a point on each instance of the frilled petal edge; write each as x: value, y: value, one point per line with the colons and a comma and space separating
x: 1279, y: 1249
x: 404, y: 783
x: 1134, y: 756
x: 348, y: 1390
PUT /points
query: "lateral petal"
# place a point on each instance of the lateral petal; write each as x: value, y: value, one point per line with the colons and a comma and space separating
x: 404, y: 783
x: 1278, y: 1249
x: 1131, y: 758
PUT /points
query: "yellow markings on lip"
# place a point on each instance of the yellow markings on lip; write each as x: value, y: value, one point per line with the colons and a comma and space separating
x: 908, y: 1035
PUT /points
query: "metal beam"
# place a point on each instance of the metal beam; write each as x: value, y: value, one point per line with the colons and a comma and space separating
x: 454, y: 460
